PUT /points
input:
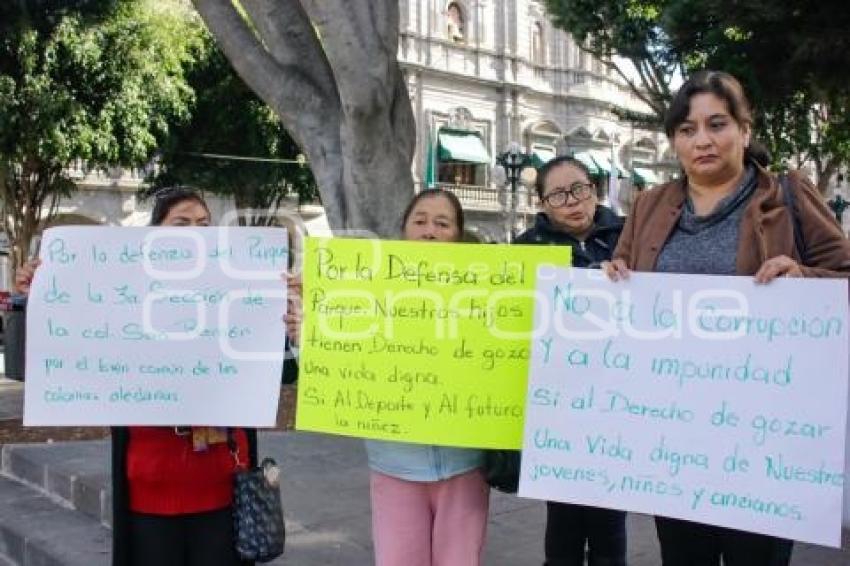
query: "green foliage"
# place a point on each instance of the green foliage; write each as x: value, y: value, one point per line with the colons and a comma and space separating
x: 629, y: 29
x: 790, y: 56
x: 93, y: 80
x: 229, y: 119
x: 101, y: 91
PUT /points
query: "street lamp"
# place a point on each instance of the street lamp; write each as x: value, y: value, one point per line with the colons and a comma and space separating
x: 838, y: 204
x: 513, y: 161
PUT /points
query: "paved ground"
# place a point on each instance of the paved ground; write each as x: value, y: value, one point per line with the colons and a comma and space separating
x: 11, y: 398
x: 325, y: 493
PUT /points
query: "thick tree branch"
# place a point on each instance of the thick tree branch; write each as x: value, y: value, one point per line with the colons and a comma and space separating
x: 287, y: 88
x: 358, y: 131
x: 287, y: 33
x: 402, y: 117
x: 363, y: 52
x: 649, y: 94
x: 310, y: 113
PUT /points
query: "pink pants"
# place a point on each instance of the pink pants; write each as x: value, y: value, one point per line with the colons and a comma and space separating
x: 438, y: 523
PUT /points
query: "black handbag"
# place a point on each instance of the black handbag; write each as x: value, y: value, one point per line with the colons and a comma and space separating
x: 501, y: 469
x: 259, y: 532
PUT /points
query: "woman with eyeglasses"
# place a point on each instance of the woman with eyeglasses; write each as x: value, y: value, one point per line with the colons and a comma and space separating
x: 572, y: 216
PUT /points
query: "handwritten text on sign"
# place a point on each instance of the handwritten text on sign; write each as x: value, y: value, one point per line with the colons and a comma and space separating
x: 421, y: 342
x: 156, y: 326
x: 704, y: 398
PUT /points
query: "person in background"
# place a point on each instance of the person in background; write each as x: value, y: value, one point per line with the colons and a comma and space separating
x: 572, y: 216
x: 727, y: 215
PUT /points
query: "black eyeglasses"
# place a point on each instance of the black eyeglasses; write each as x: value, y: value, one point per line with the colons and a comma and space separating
x: 559, y: 197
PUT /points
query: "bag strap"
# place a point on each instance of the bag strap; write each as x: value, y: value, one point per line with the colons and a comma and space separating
x: 233, y: 446
x: 791, y: 203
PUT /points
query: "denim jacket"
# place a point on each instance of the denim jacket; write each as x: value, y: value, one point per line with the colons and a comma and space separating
x: 421, y: 462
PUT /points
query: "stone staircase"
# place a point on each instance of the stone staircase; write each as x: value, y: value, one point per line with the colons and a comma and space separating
x: 55, y: 502
x: 55, y: 509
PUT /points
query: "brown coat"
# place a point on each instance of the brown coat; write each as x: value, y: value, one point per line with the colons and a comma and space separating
x: 766, y: 228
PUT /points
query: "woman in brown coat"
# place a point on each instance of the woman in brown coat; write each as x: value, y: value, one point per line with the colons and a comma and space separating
x: 726, y: 216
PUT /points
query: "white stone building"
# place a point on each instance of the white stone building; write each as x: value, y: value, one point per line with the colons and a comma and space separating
x: 485, y: 73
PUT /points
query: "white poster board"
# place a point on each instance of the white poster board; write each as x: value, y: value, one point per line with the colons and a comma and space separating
x: 643, y: 397
x: 156, y: 326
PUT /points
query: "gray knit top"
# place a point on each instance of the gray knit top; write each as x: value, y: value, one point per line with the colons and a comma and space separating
x: 708, y: 245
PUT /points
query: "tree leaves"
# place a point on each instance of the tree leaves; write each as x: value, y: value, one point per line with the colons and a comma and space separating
x: 229, y: 119
x: 93, y: 80
x: 789, y: 55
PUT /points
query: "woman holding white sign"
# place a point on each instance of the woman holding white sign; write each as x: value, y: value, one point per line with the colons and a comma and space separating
x: 726, y: 216
x: 572, y: 216
x: 172, y: 487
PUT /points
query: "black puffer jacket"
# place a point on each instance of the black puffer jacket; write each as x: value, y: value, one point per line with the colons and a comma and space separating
x: 598, y: 247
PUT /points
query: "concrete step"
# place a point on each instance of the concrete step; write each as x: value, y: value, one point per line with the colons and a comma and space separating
x: 74, y: 473
x: 37, y: 530
x: 325, y: 493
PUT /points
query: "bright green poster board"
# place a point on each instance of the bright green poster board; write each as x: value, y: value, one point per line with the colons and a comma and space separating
x: 418, y: 341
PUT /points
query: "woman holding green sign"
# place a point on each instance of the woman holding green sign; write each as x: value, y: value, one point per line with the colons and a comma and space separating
x: 571, y: 216
x: 727, y: 216
x: 429, y: 503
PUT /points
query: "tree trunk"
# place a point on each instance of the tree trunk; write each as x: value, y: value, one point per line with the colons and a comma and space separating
x: 825, y: 174
x: 24, y: 193
x: 342, y: 97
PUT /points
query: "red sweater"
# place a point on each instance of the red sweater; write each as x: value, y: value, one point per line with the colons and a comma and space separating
x: 167, y: 477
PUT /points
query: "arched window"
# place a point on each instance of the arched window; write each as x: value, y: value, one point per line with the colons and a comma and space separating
x: 538, y: 45
x: 456, y: 28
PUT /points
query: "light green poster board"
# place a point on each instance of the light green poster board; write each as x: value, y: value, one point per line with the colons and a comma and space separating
x: 418, y: 341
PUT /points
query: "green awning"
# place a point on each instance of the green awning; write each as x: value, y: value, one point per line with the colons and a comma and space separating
x: 540, y: 156
x: 466, y: 147
x: 430, y: 166
x: 603, y: 162
x: 587, y: 160
x: 643, y: 176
